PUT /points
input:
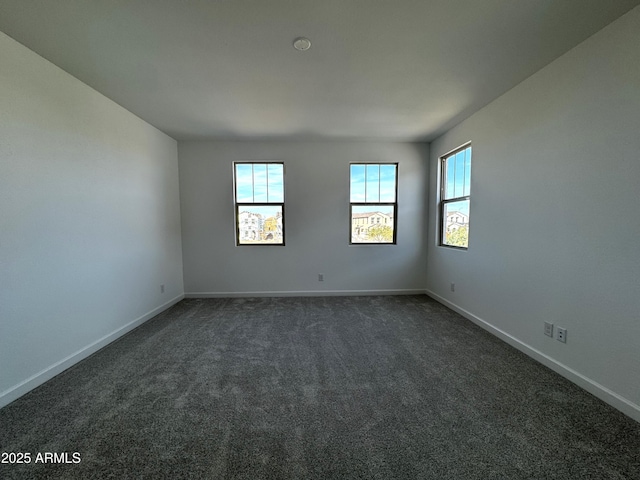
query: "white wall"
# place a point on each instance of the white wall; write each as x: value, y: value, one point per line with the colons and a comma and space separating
x: 89, y: 220
x: 555, y: 215
x: 317, y: 221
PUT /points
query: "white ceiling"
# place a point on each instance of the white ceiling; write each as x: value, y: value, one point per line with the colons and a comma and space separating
x: 390, y: 69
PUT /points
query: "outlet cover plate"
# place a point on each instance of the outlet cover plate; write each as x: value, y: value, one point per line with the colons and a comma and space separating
x: 562, y: 335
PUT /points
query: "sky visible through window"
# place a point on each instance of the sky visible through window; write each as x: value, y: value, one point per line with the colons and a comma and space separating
x: 259, y: 183
x: 373, y: 183
x: 259, y: 190
x: 458, y: 178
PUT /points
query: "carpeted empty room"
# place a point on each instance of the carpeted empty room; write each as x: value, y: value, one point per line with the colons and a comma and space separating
x: 316, y: 387
x: 319, y: 239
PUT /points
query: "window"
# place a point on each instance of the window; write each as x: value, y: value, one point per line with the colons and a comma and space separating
x: 373, y: 202
x: 455, y: 190
x: 259, y: 200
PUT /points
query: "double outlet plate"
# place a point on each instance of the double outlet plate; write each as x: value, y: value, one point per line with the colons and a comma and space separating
x: 561, y: 333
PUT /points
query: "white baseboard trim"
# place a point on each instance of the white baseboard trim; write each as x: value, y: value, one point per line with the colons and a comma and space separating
x: 304, y: 293
x: 603, y: 393
x: 48, y: 373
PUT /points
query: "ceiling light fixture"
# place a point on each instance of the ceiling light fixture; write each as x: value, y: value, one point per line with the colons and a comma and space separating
x: 302, y: 44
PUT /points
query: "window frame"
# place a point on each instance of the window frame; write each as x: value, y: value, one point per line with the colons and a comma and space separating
x: 445, y: 201
x: 239, y: 205
x: 364, y: 204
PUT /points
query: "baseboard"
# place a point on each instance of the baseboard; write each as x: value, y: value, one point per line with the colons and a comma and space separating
x: 48, y: 373
x: 304, y: 293
x: 603, y: 393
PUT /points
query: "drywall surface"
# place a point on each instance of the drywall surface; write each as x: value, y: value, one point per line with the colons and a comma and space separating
x: 316, y: 221
x: 555, y: 217
x: 89, y: 217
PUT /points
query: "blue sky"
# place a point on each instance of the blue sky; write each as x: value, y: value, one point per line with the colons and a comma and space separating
x: 373, y: 182
x: 458, y: 179
x: 259, y: 183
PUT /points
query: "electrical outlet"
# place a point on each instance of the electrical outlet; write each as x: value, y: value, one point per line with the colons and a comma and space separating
x: 562, y: 335
x: 453, y: 287
x: 548, y: 329
x: 321, y: 277
x: 162, y: 288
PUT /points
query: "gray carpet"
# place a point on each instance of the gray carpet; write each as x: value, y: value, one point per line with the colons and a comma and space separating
x: 316, y: 388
